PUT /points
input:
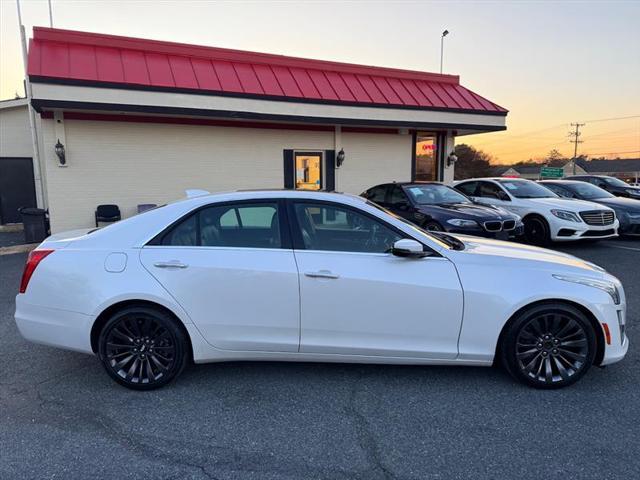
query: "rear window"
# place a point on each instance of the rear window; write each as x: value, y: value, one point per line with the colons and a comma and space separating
x: 232, y: 225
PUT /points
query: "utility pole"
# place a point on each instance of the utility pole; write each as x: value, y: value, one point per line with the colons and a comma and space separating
x: 575, y: 139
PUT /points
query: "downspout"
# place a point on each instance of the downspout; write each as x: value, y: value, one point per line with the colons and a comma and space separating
x: 40, y: 200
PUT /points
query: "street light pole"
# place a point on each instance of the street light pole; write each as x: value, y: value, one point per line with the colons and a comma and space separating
x: 50, y: 15
x: 444, y: 34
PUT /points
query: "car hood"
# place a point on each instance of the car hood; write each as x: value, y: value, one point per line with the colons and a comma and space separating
x: 622, y: 203
x: 485, y: 248
x: 567, y: 204
x: 470, y: 210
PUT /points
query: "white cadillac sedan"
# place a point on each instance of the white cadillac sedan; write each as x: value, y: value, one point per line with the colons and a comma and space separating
x: 305, y: 276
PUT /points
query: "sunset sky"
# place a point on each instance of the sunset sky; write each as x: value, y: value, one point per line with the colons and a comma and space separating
x: 549, y: 63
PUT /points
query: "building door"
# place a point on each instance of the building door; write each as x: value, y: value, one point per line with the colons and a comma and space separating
x: 427, y: 164
x: 309, y: 170
x: 17, y: 188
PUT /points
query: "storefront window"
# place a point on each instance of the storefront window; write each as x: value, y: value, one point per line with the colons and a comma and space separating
x: 426, y: 157
x: 308, y: 171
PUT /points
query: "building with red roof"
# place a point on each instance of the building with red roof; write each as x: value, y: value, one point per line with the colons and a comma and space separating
x: 141, y: 120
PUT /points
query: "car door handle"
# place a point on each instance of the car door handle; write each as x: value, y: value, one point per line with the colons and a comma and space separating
x: 171, y: 264
x: 322, y: 274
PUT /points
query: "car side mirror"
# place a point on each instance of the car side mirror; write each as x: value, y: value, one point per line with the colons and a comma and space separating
x: 409, y: 248
x: 503, y: 196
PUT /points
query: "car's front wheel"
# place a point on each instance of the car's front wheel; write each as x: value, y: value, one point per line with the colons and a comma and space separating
x: 549, y: 346
x: 536, y: 231
x: 432, y: 226
x: 142, y: 348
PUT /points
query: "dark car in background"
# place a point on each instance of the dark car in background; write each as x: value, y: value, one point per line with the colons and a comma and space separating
x: 437, y: 207
x: 612, y: 185
x: 627, y: 209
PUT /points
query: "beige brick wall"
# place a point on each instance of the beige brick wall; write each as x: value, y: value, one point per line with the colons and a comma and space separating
x: 371, y: 159
x: 15, y: 134
x: 133, y: 163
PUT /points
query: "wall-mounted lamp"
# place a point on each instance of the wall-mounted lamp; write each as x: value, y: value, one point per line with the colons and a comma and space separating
x: 451, y: 159
x: 62, y: 159
x: 340, y: 158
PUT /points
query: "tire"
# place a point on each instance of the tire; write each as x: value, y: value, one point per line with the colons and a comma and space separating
x: 142, y: 348
x: 433, y: 226
x: 548, y: 346
x: 536, y: 231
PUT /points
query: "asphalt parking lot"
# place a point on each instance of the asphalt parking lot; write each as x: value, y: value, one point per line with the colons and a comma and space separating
x: 62, y: 417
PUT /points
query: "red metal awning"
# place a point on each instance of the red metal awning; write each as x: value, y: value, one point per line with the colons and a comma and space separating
x: 106, y: 60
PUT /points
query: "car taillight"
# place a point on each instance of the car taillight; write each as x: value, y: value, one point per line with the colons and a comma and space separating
x: 35, y: 257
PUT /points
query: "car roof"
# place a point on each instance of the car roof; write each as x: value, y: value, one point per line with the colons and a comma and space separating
x: 562, y: 182
x: 408, y: 184
x: 590, y: 176
x: 273, y: 193
x: 494, y: 179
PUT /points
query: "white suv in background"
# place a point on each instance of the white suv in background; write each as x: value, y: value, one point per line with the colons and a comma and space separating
x: 546, y: 216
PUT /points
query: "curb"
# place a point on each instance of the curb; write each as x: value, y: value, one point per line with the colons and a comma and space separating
x: 17, y: 249
x: 11, y: 228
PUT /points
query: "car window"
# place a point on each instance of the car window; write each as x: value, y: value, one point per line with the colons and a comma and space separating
x: 526, y: 189
x: 489, y: 190
x: 335, y: 228
x: 468, y: 188
x: 435, y: 194
x: 615, y: 182
x: 558, y: 190
x: 587, y: 191
x: 230, y: 218
x: 183, y: 234
x: 397, y: 196
x: 231, y: 225
x: 377, y: 194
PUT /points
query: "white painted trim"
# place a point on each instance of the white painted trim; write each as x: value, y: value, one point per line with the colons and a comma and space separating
x: 13, y: 103
x: 112, y: 96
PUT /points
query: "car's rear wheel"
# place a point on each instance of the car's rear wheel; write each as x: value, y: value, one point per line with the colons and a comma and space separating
x: 549, y: 346
x: 142, y: 348
x: 536, y: 231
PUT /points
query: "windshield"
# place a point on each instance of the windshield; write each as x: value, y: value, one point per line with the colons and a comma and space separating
x: 446, y: 243
x: 615, y: 182
x: 586, y: 191
x: 526, y: 189
x: 433, y: 194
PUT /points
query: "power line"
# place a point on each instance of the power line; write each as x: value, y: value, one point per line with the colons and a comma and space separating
x: 525, y: 134
x: 612, y: 153
x: 611, y: 119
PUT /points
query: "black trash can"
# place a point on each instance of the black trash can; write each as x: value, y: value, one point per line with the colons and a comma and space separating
x: 36, y: 224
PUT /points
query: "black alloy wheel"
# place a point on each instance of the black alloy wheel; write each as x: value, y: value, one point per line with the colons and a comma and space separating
x: 433, y: 227
x: 142, y: 348
x: 549, y: 346
x: 536, y: 231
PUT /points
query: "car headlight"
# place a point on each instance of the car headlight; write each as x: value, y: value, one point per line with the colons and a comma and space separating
x: 566, y: 215
x: 461, y: 222
x: 603, y: 285
x: 635, y: 193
